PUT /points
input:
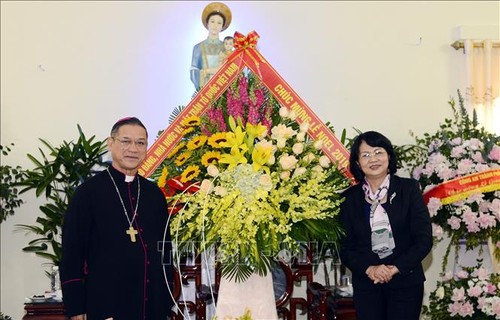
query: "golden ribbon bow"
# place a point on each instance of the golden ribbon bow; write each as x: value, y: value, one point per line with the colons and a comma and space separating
x: 241, y: 42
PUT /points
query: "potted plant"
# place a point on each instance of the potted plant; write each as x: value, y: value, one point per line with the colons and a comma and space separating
x: 56, y: 176
x: 9, y: 193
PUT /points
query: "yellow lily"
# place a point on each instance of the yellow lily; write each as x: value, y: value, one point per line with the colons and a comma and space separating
x: 236, y: 140
x: 234, y: 158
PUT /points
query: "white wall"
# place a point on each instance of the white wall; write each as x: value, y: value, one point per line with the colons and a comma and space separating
x: 386, y: 66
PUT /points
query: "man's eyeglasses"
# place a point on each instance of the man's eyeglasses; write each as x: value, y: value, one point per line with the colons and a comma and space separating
x: 126, y: 143
x: 377, y: 154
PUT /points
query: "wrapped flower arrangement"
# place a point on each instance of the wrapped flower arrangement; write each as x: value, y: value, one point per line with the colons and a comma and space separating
x: 247, y: 180
x: 459, y: 172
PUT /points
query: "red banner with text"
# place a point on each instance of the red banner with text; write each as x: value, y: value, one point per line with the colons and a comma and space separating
x: 461, y: 188
x: 246, y: 55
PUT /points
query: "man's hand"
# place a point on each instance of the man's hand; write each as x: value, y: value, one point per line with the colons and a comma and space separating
x: 79, y: 317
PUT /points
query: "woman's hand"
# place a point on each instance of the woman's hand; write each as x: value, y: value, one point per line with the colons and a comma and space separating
x: 381, y: 273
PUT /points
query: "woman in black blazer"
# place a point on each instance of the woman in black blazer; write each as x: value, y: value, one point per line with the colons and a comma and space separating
x: 387, y: 233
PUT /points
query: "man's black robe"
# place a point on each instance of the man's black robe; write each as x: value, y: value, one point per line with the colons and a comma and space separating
x: 103, y: 273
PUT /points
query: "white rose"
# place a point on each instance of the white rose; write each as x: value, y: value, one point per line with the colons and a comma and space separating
x: 281, y: 143
x: 304, y: 127
x: 283, y: 112
x: 317, y: 168
x: 324, y: 161
x: 299, y: 171
x: 298, y: 148
x: 440, y: 293
x: 292, y: 115
x: 308, y: 158
x: 318, y: 144
x: 265, y: 182
x: 285, y: 175
x: 301, y: 136
x: 288, y: 162
x: 271, y: 160
x: 206, y: 186
x: 212, y: 170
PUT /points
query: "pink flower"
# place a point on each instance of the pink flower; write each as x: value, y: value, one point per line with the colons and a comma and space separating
x: 445, y: 173
x: 496, y: 308
x: 491, y: 288
x: 454, y: 223
x: 481, y: 273
x: 486, y: 221
x: 434, y: 205
x: 484, y: 206
x: 461, y: 274
x: 435, y: 145
x: 475, y: 197
x: 495, y: 207
x: 437, y: 231
x: 480, y: 167
x: 474, y: 291
x: 480, y: 302
x: 466, y: 309
x: 457, y: 152
x: 478, y: 157
x: 475, y: 144
x: 458, y: 294
x: 465, y: 166
x: 454, y: 308
x: 469, y: 217
x: 456, y: 141
x: 495, y: 153
x: 417, y: 172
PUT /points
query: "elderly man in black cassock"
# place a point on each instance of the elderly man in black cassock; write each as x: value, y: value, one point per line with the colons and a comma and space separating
x: 115, y: 246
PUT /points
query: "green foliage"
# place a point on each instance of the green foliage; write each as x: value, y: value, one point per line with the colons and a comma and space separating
x: 56, y: 176
x: 9, y: 179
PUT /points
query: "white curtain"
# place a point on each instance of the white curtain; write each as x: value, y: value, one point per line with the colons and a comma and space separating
x: 482, y: 61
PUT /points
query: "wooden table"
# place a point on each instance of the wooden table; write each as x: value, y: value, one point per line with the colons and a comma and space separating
x: 44, y: 311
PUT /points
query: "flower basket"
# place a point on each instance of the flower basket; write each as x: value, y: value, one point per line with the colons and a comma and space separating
x: 247, y: 179
x: 459, y: 172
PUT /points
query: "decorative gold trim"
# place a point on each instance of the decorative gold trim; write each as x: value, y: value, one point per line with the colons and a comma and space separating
x: 459, y: 44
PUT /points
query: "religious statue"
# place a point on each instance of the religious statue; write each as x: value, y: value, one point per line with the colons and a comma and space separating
x: 216, y: 17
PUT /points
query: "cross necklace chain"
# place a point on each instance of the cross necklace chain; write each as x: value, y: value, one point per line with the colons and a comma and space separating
x: 130, y: 231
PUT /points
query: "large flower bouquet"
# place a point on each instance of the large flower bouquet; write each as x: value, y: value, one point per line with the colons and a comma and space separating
x: 247, y: 180
x: 463, y: 160
x: 471, y: 293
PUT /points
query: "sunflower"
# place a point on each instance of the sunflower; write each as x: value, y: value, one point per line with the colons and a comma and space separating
x: 196, y: 142
x: 162, y: 180
x: 217, y: 139
x: 186, y: 131
x: 210, y: 157
x: 178, y: 147
x: 182, y: 158
x: 190, y: 173
x: 192, y: 121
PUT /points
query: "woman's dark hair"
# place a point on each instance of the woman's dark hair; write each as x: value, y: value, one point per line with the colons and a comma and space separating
x: 373, y: 139
x: 125, y: 121
x: 216, y: 14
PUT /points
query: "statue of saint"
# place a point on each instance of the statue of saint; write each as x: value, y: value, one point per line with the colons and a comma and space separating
x: 216, y: 17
